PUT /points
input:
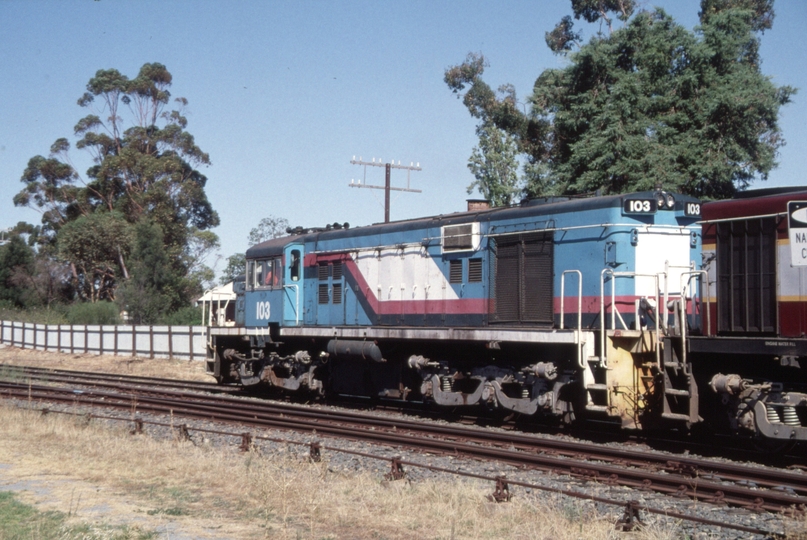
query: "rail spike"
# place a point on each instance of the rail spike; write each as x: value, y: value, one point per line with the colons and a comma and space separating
x: 138, y: 427
x: 502, y: 491
x: 182, y: 432
x: 397, y: 471
x: 631, y: 520
x: 315, y: 452
x: 246, y: 442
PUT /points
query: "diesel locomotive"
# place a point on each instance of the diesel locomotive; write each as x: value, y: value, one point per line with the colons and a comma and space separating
x: 647, y: 310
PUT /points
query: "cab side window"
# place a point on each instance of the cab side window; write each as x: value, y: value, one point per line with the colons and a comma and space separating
x: 258, y: 274
x: 250, y: 274
x: 277, y: 272
x: 267, y: 273
x: 295, y: 265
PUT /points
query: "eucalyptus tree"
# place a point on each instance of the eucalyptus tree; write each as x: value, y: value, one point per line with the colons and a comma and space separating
x: 268, y: 228
x: 647, y: 103
x: 494, y: 166
x: 143, y: 167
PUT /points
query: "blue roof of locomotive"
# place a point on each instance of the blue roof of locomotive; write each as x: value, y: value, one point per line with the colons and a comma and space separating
x: 532, y: 208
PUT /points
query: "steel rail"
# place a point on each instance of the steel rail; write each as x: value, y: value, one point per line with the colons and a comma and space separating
x: 62, y: 375
x: 632, y: 507
x: 688, y: 466
x: 696, y: 488
x: 683, y: 465
x: 102, y: 399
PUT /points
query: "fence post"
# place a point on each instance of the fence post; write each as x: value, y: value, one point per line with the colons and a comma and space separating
x: 86, y: 339
x: 170, y: 343
x: 115, y: 345
x: 134, y: 341
x: 151, y: 342
x: 190, y: 343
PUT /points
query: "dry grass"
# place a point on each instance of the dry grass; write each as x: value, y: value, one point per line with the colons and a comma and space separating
x: 796, y: 529
x: 145, y: 367
x: 80, y: 468
x: 213, y: 492
x: 183, y: 490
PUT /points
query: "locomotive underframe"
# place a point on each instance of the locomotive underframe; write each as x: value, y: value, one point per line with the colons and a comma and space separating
x: 528, y: 374
x: 553, y: 373
x: 635, y: 382
x: 758, y: 384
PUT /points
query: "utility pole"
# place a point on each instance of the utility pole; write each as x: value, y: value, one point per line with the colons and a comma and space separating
x: 387, y: 185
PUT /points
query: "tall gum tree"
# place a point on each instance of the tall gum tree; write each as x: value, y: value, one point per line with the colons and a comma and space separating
x: 144, y: 166
x: 647, y: 103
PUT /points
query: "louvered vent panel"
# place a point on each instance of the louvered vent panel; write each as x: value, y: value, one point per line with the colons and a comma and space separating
x: 458, y: 237
x: 322, y: 271
x: 337, y: 270
x: 746, y: 276
x: 455, y: 271
x: 523, y: 282
x: 323, y: 293
x: 337, y: 293
x: 474, y: 270
x: 508, y: 278
x: 536, y: 296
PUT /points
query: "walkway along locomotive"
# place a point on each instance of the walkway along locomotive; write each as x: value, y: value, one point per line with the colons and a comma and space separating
x: 567, y: 309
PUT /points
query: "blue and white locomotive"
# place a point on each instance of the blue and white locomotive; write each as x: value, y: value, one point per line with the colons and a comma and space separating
x: 568, y: 308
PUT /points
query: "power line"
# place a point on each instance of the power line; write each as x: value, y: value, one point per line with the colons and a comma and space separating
x: 386, y: 187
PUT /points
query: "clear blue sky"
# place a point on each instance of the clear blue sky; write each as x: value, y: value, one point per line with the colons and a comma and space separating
x: 282, y: 94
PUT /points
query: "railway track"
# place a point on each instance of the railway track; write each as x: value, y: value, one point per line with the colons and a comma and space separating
x: 755, y: 488
x: 92, y: 378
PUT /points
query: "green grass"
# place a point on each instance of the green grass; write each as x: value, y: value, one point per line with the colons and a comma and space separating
x: 20, y: 521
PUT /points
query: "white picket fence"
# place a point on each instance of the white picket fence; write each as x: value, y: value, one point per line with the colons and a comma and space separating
x: 180, y: 342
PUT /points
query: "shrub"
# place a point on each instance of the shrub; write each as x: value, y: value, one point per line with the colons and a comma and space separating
x: 55, y: 314
x: 93, y: 313
x: 190, y: 315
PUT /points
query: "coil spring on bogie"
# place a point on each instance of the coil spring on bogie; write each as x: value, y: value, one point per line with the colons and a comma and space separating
x: 525, y: 393
x: 772, y: 414
x: 445, y: 384
x: 787, y: 416
x: 790, y: 417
